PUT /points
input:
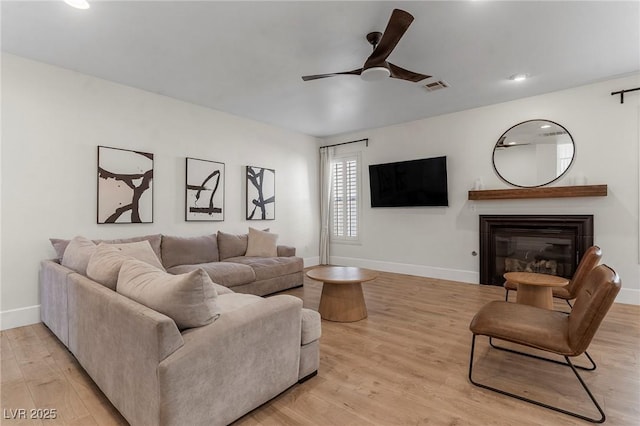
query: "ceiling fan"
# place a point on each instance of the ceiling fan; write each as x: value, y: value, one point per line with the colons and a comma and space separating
x: 376, y: 67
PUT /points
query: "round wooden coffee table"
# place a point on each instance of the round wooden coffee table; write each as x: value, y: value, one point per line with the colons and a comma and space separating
x: 342, y: 299
x: 535, y: 289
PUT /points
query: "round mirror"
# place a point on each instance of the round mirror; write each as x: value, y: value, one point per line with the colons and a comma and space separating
x: 533, y: 153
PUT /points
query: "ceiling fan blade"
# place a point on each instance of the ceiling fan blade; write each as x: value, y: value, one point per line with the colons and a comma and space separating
x: 317, y: 76
x: 402, y: 74
x: 397, y: 26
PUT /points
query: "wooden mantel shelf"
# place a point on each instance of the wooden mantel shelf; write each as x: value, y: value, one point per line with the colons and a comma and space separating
x: 540, y: 192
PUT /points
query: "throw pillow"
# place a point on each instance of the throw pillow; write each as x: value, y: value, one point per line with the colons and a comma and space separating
x: 106, y: 261
x: 77, y: 254
x: 189, y: 299
x: 60, y: 245
x: 154, y: 240
x: 261, y: 244
x: 231, y: 245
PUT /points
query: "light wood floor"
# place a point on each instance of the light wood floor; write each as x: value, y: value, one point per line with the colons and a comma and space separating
x: 405, y: 364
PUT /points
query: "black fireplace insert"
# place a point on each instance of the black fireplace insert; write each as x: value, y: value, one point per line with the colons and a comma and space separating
x: 549, y: 244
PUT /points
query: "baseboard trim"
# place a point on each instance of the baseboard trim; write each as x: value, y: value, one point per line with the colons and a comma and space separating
x: 628, y: 296
x: 311, y: 261
x: 19, y: 317
x: 470, y: 277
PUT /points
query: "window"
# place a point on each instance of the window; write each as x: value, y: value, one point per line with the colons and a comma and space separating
x: 564, y: 152
x: 345, y: 208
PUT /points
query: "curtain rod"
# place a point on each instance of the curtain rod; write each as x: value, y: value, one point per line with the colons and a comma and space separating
x: 366, y: 140
x: 622, y: 92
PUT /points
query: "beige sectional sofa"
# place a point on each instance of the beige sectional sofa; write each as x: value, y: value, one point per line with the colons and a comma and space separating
x: 157, y: 373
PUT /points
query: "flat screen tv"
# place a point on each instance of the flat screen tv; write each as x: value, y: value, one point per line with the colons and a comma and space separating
x: 409, y: 183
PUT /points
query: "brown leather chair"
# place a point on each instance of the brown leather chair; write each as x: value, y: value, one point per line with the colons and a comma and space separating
x: 589, y: 260
x: 551, y: 331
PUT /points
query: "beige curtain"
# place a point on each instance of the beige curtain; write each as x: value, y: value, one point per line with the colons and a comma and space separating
x: 326, y: 188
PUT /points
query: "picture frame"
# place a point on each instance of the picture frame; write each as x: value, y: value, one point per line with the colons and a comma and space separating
x: 261, y: 193
x: 124, y: 186
x: 204, y: 190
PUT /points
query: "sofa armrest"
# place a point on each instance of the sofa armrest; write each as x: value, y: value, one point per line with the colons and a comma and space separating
x: 120, y: 343
x: 53, y: 298
x: 242, y: 360
x: 286, y: 251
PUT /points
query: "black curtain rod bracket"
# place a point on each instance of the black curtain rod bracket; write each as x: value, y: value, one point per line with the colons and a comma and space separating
x: 622, y: 92
x: 366, y: 141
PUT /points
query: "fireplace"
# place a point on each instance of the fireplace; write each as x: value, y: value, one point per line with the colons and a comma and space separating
x: 549, y: 244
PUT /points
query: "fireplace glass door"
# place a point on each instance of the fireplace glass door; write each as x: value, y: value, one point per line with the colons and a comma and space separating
x: 545, y: 251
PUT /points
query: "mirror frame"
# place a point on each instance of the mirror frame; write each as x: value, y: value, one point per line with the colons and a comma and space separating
x: 493, y: 154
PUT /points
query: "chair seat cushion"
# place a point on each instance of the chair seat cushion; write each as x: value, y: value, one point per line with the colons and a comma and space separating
x: 562, y: 292
x: 269, y: 267
x: 224, y: 273
x: 510, y: 285
x: 527, y: 325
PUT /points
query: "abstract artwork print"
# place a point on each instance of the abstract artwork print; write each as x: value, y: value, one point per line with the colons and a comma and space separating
x: 205, y: 190
x: 261, y: 193
x: 125, y: 186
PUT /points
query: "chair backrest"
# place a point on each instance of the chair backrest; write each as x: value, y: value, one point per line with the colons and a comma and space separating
x: 594, y: 299
x: 589, y: 260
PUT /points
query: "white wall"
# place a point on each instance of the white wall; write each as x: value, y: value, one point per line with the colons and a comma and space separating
x: 53, y: 119
x: 438, y: 242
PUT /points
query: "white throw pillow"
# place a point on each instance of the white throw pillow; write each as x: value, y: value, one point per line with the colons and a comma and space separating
x: 78, y: 253
x: 189, y: 299
x: 105, y: 263
x: 262, y: 244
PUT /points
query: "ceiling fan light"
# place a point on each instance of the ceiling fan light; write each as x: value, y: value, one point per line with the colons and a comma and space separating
x: 375, y: 74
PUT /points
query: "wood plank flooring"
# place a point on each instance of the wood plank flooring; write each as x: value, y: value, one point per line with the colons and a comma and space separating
x: 406, y: 364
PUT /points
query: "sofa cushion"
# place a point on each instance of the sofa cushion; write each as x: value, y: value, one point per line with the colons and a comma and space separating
x: 311, y: 328
x: 261, y: 243
x: 77, y: 254
x: 189, y: 251
x: 189, y: 299
x: 60, y: 245
x: 107, y: 259
x: 232, y: 301
x: 224, y: 273
x: 231, y: 245
x: 269, y: 267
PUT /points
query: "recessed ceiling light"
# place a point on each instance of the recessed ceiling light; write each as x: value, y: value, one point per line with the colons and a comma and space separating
x: 519, y: 77
x: 78, y: 4
x: 545, y: 126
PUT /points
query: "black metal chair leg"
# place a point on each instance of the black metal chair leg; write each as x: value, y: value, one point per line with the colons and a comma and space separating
x: 506, y: 295
x: 513, y: 351
x: 568, y: 303
x: 541, y: 404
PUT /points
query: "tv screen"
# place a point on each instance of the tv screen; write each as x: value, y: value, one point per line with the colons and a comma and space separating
x: 409, y: 183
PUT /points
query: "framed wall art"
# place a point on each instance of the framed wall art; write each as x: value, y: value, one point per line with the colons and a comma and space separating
x: 261, y: 193
x: 125, y: 186
x: 204, y: 190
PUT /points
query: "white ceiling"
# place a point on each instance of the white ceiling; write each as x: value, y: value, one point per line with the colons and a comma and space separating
x: 247, y: 58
